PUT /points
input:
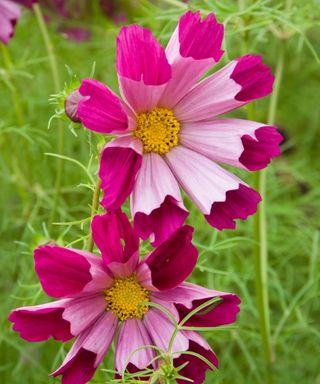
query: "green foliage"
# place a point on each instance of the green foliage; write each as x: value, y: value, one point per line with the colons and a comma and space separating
x: 28, y: 162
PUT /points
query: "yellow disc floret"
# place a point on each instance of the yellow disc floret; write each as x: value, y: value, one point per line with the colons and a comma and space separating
x: 158, y: 130
x: 125, y: 298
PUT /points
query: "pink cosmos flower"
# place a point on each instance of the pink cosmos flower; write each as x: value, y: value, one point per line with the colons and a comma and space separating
x: 9, y: 15
x: 168, y: 132
x: 100, y: 295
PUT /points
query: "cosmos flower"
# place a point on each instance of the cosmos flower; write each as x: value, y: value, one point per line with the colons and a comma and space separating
x: 108, y: 296
x: 169, y: 130
x: 9, y: 15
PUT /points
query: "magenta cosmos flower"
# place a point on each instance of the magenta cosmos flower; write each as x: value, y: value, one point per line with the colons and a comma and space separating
x: 9, y: 15
x: 100, y: 295
x: 168, y: 131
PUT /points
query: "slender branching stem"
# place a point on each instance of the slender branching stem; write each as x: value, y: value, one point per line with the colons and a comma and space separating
x: 261, y: 240
x: 57, y: 89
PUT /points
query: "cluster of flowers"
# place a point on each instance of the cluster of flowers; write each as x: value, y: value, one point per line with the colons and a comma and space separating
x: 168, y: 136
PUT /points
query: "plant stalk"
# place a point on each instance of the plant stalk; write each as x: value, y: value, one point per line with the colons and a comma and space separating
x: 94, y: 208
x: 261, y: 239
x: 57, y: 88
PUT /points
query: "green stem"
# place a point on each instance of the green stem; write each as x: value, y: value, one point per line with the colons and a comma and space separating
x: 94, y: 208
x: 260, y: 236
x: 14, y: 92
x: 57, y: 89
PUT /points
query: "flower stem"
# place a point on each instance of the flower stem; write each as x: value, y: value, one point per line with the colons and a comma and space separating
x: 94, y: 208
x: 15, y: 94
x: 261, y: 240
x: 57, y: 88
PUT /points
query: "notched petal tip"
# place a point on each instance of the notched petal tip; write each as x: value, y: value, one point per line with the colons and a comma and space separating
x: 239, y: 204
x: 200, y: 39
x: 140, y: 57
x: 258, y: 152
x: 255, y: 78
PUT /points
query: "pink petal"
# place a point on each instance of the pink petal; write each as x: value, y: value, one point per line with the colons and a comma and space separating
x: 82, y: 311
x: 115, y: 237
x: 88, y: 351
x: 233, y: 86
x: 9, y: 15
x: 188, y: 297
x: 241, y: 143
x: 62, y: 272
x: 161, y: 329
x: 194, y: 47
x: 125, y: 269
x: 142, y: 67
x: 120, y: 163
x: 126, y: 346
x: 196, y: 368
x: 71, y: 105
x: 100, y: 109
x: 221, y: 196
x: 156, y: 202
x: 40, y: 322
x: 174, y: 260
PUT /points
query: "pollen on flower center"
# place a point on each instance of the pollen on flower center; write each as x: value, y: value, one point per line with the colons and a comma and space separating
x: 158, y: 130
x: 125, y: 298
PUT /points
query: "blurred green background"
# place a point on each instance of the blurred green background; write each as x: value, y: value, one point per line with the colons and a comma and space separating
x: 287, y: 34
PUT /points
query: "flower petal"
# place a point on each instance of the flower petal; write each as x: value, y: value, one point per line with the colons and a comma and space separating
x: 174, y: 260
x: 100, y: 109
x: 127, y: 347
x: 83, y: 311
x: 236, y: 84
x: 241, y: 143
x: 88, y: 351
x: 142, y: 67
x: 120, y: 163
x: 9, y: 15
x: 40, y: 322
x: 156, y: 201
x: 188, y: 297
x: 161, y: 330
x: 221, y: 196
x: 196, y: 368
x: 115, y: 237
x: 194, y: 47
x: 62, y: 272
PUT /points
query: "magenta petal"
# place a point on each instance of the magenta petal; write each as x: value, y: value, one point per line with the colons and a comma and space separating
x: 62, y: 272
x: 200, y: 39
x: 174, y: 260
x: 9, y: 15
x: 88, y: 351
x: 126, y: 346
x: 120, y: 163
x: 141, y: 57
x: 239, y: 204
x: 101, y: 110
x: 196, y: 368
x: 26, y: 3
x: 161, y: 222
x: 115, y: 237
x: 258, y: 153
x: 255, y: 78
x: 40, y: 322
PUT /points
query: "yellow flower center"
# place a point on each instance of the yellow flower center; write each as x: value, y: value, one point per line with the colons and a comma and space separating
x: 125, y: 298
x: 158, y: 130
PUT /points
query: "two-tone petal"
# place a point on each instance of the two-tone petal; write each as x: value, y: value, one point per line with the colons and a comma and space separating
x: 240, y: 143
x: 220, y: 196
x: 195, y: 47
